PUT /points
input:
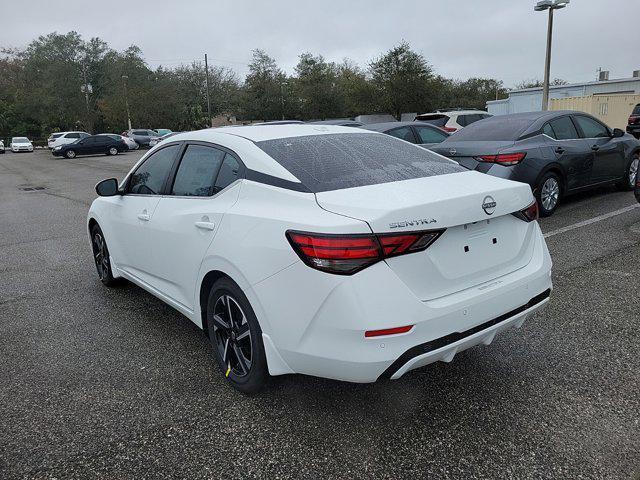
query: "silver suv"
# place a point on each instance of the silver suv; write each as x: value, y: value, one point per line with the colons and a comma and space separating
x: 142, y: 136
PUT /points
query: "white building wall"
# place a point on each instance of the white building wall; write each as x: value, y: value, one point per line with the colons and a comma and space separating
x: 530, y: 100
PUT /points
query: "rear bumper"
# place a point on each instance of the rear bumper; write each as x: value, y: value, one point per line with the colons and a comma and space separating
x: 317, y: 321
x: 445, y: 348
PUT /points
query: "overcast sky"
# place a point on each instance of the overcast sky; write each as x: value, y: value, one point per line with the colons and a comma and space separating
x: 504, y: 39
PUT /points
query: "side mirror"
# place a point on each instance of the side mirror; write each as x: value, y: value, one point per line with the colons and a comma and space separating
x: 617, y: 133
x: 107, y: 188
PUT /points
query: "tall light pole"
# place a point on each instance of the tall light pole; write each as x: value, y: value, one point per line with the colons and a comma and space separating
x: 126, y: 100
x: 550, y: 5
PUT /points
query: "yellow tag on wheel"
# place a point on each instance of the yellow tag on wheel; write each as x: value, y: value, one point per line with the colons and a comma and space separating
x: 228, y: 371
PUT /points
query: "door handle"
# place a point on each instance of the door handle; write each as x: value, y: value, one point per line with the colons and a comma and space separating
x: 205, y: 225
x: 144, y: 217
x: 560, y: 150
x: 595, y: 148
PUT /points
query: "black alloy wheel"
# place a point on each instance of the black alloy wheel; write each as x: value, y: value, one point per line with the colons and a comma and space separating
x: 236, y: 337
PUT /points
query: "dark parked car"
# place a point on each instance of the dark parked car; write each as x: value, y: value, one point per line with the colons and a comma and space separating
x: 92, y: 145
x: 342, y: 122
x: 421, y: 133
x: 633, y: 126
x: 557, y: 153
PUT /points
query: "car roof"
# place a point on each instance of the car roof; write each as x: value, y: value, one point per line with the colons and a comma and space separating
x: 454, y: 112
x: 336, y: 121
x: 383, y: 127
x: 259, y: 133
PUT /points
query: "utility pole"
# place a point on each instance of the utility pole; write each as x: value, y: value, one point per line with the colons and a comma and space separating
x: 126, y: 101
x: 547, y: 63
x: 86, y: 97
x: 541, y: 6
x: 206, y: 67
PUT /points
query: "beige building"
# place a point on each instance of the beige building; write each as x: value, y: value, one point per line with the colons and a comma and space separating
x: 613, y: 110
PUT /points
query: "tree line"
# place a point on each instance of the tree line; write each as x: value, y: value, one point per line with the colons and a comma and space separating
x: 62, y: 82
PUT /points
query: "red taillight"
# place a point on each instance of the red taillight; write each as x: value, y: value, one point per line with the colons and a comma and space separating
x: 529, y: 214
x: 387, y: 331
x: 448, y: 129
x: 503, y: 158
x: 633, y: 119
x: 347, y: 254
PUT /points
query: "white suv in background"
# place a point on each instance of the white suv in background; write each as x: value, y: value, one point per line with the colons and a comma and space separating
x: 453, y: 120
x: 63, y: 138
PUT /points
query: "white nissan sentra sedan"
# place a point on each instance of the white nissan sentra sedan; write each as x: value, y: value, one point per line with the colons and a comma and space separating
x: 322, y: 250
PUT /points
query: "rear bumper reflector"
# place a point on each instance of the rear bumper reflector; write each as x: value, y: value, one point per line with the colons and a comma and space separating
x: 387, y: 331
x: 457, y: 336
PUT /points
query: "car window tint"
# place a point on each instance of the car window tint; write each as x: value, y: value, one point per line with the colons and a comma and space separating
x: 197, y: 170
x: 436, y: 119
x: 83, y: 135
x: 462, y: 120
x: 636, y: 110
x: 139, y: 132
x: 430, y: 135
x: 564, y: 128
x: 548, y: 130
x: 336, y: 161
x: 72, y: 135
x: 591, y: 128
x: 493, y: 129
x: 229, y: 173
x: 150, y: 176
x: 56, y: 135
x: 473, y: 118
x: 404, y: 133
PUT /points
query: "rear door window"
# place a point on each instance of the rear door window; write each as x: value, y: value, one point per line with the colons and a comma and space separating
x: 462, y: 120
x: 336, y: 161
x: 139, y: 132
x: 229, y: 173
x: 548, y: 130
x: 430, y: 135
x: 591, y: 128
x: 72, y: 135
x: 149, y: 177
x: 636, y: 110
x: 564, y: 128
x: 197, y: 170
x: 404, y: 133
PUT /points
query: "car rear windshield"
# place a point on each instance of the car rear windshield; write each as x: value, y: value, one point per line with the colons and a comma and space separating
x: 346, y: 160
x: 437, y: 120
x: 636, y: 111
x: 493, y: 129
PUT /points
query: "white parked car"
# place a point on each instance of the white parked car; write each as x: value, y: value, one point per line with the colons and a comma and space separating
x: 323, y: 250
x: 453, y: 120
x: 21, y: 144
x: 1, y: 147
x: 63, y: 138
x: 132, y: 144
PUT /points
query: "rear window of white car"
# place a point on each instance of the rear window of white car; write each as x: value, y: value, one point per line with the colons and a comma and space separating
x: 346, y: 160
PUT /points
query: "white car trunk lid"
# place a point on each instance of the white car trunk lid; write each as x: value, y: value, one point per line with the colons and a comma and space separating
x: 482, y: 241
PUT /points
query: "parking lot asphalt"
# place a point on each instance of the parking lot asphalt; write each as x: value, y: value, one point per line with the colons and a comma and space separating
x: 112, y: 383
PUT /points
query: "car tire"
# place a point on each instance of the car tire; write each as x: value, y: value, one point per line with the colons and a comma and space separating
x: 70, y: 154
x: 101, y: 257
x: 234, y: 339
x: 629, y: 180
x: 112, y: 151
x: 548, y: 193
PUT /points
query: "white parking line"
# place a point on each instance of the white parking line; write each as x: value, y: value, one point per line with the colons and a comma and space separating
x: 584, y: 223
